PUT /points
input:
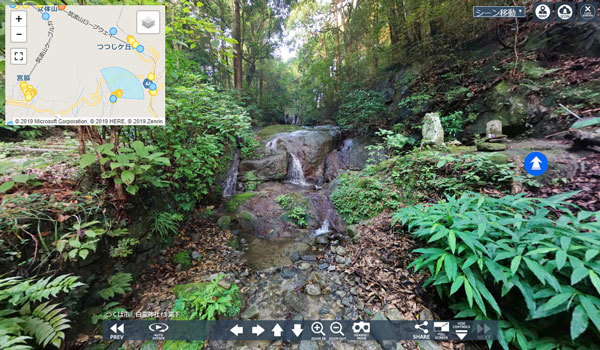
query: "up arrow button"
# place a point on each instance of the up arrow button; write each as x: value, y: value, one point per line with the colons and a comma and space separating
x: 277, y: 330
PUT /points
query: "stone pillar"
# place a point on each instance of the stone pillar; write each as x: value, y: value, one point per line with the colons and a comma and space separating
x: 433, y: 133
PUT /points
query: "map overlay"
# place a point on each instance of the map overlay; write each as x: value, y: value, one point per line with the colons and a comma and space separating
x: 85, y: 65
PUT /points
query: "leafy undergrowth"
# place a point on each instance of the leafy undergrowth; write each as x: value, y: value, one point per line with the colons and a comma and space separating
x: 423, y: 176
x: 529, y: 263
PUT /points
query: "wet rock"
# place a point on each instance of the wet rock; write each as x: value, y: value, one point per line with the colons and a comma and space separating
x: 322, y: 239
x: 150, y: 345
x: 273, y: 167
x: 323, y: 266
x: 331, y: 268
x: 250, y: 313
x: 393, y: 314
x: 295, y: 301
x: 224, y: 222
x: 346, y: 302
x: 340, y: 259
x: 247, y: 220
x: 354, y: 290
x: 304, y: 266
x: 224, y: 284
x: 308, y: 257
x: 340, y: 250
x: 295, y: 256
x: 433, y: 133
x: 287, y: 273
x: 308, y: 345
x: 313, y: 289
x: 352, y: 230
x: 196, y: 254
x: 490, y: 147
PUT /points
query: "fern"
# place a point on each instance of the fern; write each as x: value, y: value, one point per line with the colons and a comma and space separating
x: 119, y: 283
x: 45, y: 324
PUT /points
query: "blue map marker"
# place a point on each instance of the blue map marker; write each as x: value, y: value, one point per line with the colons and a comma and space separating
x: 535, y: 163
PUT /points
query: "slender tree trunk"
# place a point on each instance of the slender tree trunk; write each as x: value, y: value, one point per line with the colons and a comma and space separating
x: 237, y: 35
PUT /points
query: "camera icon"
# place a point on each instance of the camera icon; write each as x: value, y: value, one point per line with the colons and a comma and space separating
x: 361, y: 327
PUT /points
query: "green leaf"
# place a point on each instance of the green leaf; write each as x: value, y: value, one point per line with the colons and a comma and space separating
x: 590, y: 309
x: 83, y: 253
x: 132, y: 189
x: 139, y: 148
x: 468, y: 292
x: 127, y: 176
x: 450, y: 266
x: 579, y: 273
x: 595, y: 280
x: 20, y: 178
x: 590, y: 254
x: 514, y: 264
x: 556, y: 301
x: 457, y: 284
x: 6, y: 186
x: 452, y: 241
x: 86, y: 160
x: 561, y: 259
x: 579, y: 322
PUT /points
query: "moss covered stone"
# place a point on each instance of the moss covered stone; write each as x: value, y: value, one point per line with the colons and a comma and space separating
x: 246, y: 219
x: 183, y: 258
x: 224, y: 222
x: 268, y: 131
x: 490, y: 147
x: 233, y: 204
x: 187, y: 289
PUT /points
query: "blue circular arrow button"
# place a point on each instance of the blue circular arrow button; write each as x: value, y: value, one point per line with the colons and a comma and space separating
x: 536, y: 163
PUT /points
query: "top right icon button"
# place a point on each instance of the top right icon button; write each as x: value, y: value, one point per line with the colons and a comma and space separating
x: 587, y: 12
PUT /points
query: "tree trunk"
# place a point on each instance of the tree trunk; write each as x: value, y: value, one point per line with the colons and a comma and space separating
x: 237, y: 35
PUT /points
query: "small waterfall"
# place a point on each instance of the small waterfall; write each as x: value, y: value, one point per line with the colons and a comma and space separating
x: 271, y: 146
x: 295, y: 172
x: 323, y: 230
x: 230, y: 182
x: 345, y: 151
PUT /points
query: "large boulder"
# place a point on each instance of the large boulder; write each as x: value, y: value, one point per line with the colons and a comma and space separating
x: 433, y: 133
x: 310, y: 145
x: 269, y: 168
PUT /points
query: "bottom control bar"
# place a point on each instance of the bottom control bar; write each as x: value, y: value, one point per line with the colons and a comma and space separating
x: 290, y: 330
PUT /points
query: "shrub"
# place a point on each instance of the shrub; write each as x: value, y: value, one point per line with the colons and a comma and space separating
x: 118, y: 284
x: 359, y: 197
x: 513, y: 259
x: 165, y: 223
x: 296, y: 207
x: 209, y: 302
x: 416, y: 177
x: 25, y: 317
x: 362, y: 111
x: 416, y: 103
x: 251, y: 181
x: 452, y: 124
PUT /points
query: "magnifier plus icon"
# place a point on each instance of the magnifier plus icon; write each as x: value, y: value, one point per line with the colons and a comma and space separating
x: 317, y: 328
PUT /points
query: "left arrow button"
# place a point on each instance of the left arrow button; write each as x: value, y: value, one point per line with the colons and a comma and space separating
x: 237, y: 330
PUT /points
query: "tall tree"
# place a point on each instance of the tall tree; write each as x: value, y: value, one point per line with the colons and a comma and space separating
x: 239, y: 54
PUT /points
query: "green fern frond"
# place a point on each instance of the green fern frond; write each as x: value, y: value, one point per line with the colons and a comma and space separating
x: 46, y: 324
x: 13, y: 342
x: 22, y: 291
x: 119, y: 283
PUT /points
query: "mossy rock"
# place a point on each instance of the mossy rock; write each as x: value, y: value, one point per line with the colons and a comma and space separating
x: 182, y: 258
x: 271, y: 130
x: 224, y: 222
x: 246, y: 219
x: 187, y: 289
x: 490, y: 147
x: 233, y: 204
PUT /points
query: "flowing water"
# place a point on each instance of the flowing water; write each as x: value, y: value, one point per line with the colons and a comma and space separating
x: 230, y: 183
x: 295, y: 172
